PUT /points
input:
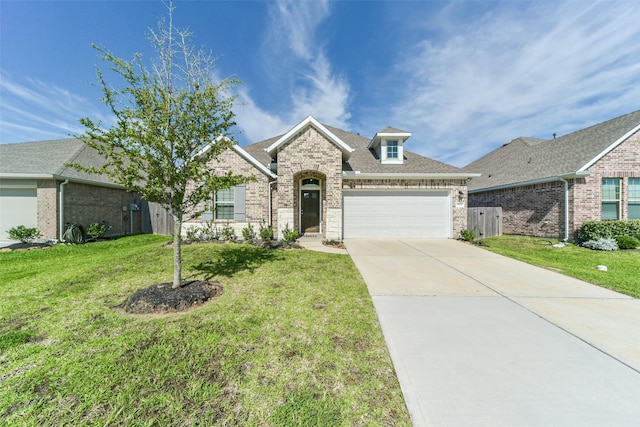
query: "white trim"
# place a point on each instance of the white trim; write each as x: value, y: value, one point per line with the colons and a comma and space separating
x: 402, y: 136
x: 417, y: 175
x: 346, y: 150
x: 248, y: 157
x: 609, y: 148
x: 534, y: 181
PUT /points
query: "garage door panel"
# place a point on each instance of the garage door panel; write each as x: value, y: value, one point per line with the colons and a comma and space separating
x: 18, y: 206
x: 391, y: 214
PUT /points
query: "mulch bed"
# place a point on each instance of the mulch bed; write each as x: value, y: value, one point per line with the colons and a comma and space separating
x: 162, y: 298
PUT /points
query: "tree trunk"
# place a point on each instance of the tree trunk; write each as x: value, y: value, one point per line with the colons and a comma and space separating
x: 177, y: 251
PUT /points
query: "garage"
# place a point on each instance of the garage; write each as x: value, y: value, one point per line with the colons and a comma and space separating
x: 18, y: 206
x: 396, y: 214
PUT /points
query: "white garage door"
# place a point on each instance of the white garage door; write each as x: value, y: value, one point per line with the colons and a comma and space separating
x: 18, y: 206
x: 396, y: 214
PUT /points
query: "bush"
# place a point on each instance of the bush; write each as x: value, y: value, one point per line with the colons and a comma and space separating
x: 248, y: 234
x: 468, y: 235
x: 627, y: 242
x: 97, y: 230
x: 289, y: 235
x: 601, y: 244
x: 24, y: 234
x: 205, y: 233
x: 266, y: 232
x: 228, y: 234
x: 595, y: 230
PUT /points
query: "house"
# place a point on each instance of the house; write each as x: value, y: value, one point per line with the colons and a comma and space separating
x: 548, y: 188
x: 327, y: 182
x: 38, y: 190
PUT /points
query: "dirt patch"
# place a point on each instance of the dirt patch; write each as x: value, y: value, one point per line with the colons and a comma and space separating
x: 162, y: 298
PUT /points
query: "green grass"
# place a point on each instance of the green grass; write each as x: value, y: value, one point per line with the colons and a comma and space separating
x: 574, y: 261
x: 293, y: 340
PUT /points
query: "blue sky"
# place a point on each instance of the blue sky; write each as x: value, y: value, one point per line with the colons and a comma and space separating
x: 463, y: 76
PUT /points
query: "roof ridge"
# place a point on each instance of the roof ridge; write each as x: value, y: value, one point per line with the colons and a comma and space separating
x: 74, y: 155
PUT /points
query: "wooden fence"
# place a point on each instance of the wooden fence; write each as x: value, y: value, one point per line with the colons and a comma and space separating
x: 485, y: 222
x: 155, y: 219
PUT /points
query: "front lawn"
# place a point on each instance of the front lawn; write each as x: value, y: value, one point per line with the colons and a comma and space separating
x: 623, y: 266
x: 292, y: 341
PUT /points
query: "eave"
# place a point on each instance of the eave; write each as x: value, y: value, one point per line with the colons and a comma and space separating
x: 570, y: 175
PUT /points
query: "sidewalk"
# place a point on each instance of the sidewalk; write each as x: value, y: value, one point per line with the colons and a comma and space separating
x: 313, y: 243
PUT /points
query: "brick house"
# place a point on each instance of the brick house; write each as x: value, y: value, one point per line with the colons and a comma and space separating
x: 324, y: 181
x: 38, y: 190
x: 548, y: 188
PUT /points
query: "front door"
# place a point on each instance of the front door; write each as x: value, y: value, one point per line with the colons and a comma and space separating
x: 310, y: 211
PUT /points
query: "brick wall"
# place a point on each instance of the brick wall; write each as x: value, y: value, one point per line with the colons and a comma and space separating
x: 256, y: 197
x: 622, y: 162
x: 85, y: 204
x: 310, y: 155
x: 532, y: 210
x: 47, y: 194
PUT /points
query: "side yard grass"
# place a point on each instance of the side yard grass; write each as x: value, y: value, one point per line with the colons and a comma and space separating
x: 623, y: 267
x: 293, y: 340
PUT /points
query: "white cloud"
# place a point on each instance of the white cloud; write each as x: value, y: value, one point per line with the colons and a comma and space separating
x: 521, y: 69
x: 34, y: 110
x: 301, y: 76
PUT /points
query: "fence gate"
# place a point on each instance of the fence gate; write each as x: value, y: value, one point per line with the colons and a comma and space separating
x: 485, y: 222
x: 155, y: 219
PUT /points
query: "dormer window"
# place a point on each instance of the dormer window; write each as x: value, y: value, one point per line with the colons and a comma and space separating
x: 388, y: 144
x: 392, y: 149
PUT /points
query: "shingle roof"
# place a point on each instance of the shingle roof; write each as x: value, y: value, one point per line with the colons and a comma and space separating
x: 48, y: 159
x: 364, y: 159
x: 530, y: 159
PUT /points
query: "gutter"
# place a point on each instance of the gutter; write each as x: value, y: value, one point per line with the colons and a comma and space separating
x: 62, y: 184
x: 578, y: 174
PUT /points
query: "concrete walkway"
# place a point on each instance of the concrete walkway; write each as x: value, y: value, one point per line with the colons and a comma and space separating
x: 314, y: 243
x: 478, y: 339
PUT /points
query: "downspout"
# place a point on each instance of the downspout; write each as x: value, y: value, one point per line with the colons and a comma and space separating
x: 566, y: 209
x: 61, y: 195
x: 270, y: 192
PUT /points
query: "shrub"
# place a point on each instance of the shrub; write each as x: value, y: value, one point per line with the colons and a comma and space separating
x: 289, y: 235
x: 601, y: 244
x: 627, y: 242
x: 468, y: 235
x: 248, y: 234
x: 97, y: 230
x: 205, y: 233
x: 24, y: 234
x: 228, y: 234
x: 595, y: 230
x: 266, y: 232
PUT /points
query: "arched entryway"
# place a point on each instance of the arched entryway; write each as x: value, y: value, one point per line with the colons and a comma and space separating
x: 310, y: 190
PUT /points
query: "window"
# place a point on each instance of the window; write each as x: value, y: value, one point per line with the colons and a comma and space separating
x: 392, y: 149
x: 634, y: 198
x: 610, y: 198
x: 224, y: 204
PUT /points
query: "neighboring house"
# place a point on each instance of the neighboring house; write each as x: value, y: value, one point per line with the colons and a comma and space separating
x: 38, y: 190
x: 320, y: 180
x: 549, y: 188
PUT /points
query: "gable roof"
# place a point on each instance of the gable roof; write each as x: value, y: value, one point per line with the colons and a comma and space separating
x: 529, y: 160
x: 47, y: 159
x: 346, y: 150
x: 388, y: 132
x: 364, y: 161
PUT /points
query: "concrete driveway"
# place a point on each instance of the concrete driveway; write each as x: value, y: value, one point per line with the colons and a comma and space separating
x: 478, y: 339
